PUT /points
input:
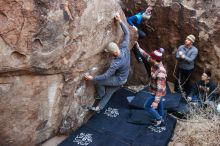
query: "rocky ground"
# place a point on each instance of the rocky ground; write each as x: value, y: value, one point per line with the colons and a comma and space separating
x: 197, y: 132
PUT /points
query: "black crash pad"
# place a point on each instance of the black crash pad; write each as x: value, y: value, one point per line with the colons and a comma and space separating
x: 160, y: 135
x: 170, y: 100
x: 111, y: 126
x: 86, y: 136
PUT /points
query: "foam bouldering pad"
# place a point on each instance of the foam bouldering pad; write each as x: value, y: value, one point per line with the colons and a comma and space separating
x: 140, y: 116
x: 137, y: 116
x: 139, y: 99
x: 170, y: 100
x: 111, y: 126
x: 86, y: 136
x: 156, y: 136
x: 113, y: 118
x: 180, y: 111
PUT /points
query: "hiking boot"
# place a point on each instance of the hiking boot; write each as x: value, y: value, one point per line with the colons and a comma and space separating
x: 93, y: 108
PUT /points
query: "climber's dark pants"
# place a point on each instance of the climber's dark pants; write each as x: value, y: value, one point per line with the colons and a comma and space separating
x: 141, y: 34
x: 105, y: 89
x: 183, y: 75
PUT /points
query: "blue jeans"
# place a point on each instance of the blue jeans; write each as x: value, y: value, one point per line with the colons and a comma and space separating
x: 105, y: 89
x: 155, y: 113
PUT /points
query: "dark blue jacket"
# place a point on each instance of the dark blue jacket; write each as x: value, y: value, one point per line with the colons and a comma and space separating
x: 199, y: 88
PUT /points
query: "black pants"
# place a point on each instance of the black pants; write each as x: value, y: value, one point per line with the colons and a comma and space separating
x: 141, y: 59
x: 183, y: 75
x: 141, y: 34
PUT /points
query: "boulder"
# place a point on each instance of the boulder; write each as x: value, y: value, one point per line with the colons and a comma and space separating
x: 45, y: 49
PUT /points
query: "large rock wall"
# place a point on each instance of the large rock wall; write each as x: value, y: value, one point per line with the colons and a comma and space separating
x: 43, y: 56
x: 30, y: 108
x: 173, y: 20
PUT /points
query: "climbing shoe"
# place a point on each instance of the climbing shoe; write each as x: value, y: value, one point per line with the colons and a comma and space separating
x: 93, y: 108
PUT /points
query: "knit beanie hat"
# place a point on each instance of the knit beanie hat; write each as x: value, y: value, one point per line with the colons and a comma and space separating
x: 112, y: 47
x: 157, y: 54
x: 191, y: 38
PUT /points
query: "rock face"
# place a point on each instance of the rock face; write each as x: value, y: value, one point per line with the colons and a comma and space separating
x: 45, y: 48
x: 173, y: 20
x: 47, y: 45
x: 30, y: 108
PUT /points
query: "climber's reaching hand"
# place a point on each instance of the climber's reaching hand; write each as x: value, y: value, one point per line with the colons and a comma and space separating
x: 88, y: 77
x: 117, y: 17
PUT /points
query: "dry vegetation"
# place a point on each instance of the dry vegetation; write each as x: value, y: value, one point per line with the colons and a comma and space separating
x: 201, y: 129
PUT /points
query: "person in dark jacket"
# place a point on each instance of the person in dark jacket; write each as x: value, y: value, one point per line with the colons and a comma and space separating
x: 204, y: 89
x: 117, y: 73
x: 136, y: 20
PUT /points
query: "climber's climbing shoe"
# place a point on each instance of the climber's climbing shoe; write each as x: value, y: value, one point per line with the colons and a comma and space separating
x: 93, y: 108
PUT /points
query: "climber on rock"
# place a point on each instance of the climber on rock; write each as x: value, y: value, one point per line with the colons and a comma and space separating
x: 157, y: 85
x: 136, y: 20
x: 186, y: 55
x: 117, y: 74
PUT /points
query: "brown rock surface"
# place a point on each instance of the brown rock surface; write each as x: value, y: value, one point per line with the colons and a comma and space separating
x: 43, y: 55
x: 30, y: 108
